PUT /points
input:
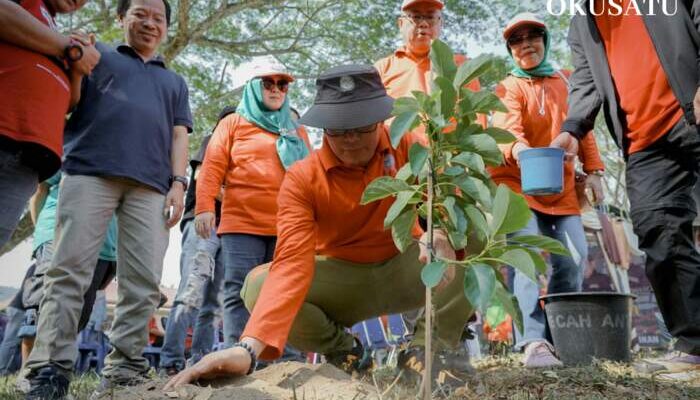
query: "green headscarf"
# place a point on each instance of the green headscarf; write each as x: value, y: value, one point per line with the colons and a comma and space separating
x: 543, y: 69
x: 290, y: 147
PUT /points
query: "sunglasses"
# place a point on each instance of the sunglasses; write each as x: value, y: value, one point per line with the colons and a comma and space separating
x: 360, y: 130
x: 281, y: 84
x: 531, y: 36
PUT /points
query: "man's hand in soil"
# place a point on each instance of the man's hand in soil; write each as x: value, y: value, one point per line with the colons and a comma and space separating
x: 234, y: 361
x: 696, y: 106
x: 442, y: 250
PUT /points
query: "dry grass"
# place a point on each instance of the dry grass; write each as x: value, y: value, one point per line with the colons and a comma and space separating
x: 498, y: 377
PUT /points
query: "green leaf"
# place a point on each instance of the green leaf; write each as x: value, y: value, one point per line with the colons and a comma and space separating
x: 405, y: 105
x: 538, y: 260
x: 402, y: 229
x: 424, y: 101
x: 501, y: 136
x: 520, y: 260
x: 476, y: 189
x: 383, y: 187
x: 511, y: 212
x: 478, y: 221
x: 454, y: 171
x: 472, y: 161
x: 485, y: 146
x: 479, y: 284
x: 448, y: 96
x: 432, y: 273
x: 510, y: 304
x: 417, y: 155
x: 455, y: 214
x: 472, y: 69
x: 442, y: 60
x: 481, y: 102
x: 400, y: 125
x: 404, y: 172
x: 400, y: 203
x: 543, y: 242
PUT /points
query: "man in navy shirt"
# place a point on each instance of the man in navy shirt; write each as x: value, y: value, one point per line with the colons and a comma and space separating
x: 125, y: 152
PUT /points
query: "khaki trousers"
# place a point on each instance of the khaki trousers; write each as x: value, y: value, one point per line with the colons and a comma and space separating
x: 343, y: 293
x: 85, y: 207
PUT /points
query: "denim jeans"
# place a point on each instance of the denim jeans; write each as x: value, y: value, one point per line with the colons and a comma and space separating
x: 242, y: 253
x: 566, y: 276
x: 17, y: 184
x: 10, y: 355
x: 197, y: 254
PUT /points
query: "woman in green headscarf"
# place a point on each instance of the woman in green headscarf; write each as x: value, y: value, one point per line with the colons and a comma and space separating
x: 535, y: 95
x: 248, y: 156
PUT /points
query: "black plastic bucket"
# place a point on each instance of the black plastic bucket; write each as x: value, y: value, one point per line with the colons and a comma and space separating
x: 590, y: 325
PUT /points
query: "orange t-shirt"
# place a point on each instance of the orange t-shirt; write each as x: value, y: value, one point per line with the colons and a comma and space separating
x: 320, y: 213
x: 536, y: 109
x: 243, y: 157
x: 403, y: 73
x: 649, y: 104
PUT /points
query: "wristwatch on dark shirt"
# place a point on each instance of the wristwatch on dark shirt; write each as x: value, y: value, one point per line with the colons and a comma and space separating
x: 181, y: 179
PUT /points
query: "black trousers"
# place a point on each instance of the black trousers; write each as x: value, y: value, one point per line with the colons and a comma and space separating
x: 660, y: 183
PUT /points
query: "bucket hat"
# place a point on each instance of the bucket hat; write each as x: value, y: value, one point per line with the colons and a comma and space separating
x: 348, y: 97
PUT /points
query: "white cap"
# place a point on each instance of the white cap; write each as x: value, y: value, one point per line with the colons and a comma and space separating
x: 520, y: 20
x: 267, y: 66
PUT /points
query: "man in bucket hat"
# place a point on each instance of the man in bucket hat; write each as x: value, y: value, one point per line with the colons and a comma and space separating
x: 335, y: 264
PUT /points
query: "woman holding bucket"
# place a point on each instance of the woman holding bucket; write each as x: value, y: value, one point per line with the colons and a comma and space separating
x: 248, y: 156
x: 535, y: 95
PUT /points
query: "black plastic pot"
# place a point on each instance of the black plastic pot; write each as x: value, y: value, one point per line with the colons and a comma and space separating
x: 590, y: 325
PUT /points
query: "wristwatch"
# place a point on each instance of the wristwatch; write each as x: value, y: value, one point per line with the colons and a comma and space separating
x: 73, y: 52
x: 181, y: 179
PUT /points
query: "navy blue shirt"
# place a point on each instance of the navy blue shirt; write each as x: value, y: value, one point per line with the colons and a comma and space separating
x: 123, y: 125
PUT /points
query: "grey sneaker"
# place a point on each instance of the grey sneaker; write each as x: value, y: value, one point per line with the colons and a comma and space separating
x: 108, y: 386
x: 48, y: 383
x: 540, y: 355
x: 673, y: 362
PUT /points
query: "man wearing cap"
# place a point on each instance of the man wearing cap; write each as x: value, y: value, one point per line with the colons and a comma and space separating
x: 335, y: 264
x: 643, y: 71
x: 409, y: 68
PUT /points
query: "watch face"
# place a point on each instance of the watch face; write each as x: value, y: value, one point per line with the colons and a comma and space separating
x: 75, y: 52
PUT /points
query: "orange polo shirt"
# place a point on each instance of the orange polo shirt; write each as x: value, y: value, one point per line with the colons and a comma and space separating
x: 242, y: 157
x: 536, y: 109
x: 650, y: 107
x: 320, y: 213
x: 403, y: 72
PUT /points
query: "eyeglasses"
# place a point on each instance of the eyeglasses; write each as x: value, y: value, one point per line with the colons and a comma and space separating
x: 416, y: 19
x: 531, y: 36
x: 281, y: 84
x: 360, y: 130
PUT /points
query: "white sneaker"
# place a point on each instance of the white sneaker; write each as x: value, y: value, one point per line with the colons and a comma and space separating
x: 540, y: 355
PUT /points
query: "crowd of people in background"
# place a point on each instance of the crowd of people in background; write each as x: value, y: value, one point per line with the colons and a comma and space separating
x: 94, y: 141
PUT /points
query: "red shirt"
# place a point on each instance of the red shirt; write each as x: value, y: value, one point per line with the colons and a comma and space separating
x: 650, y: 107
x: 34, y: 98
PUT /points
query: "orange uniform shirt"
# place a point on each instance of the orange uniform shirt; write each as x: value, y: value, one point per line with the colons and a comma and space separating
x: 644, y: 94
x: 243, y: 157
x: 320, y: 213
x: 403, y: 73
x: 536, y: 110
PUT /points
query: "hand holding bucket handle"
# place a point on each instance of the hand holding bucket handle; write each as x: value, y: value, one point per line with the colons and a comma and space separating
x: 567, y: 142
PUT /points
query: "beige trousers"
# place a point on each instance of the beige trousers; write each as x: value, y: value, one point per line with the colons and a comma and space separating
x: 85, y: 207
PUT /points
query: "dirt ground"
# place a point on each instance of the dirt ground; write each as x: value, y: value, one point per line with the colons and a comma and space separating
x: 496, y: 378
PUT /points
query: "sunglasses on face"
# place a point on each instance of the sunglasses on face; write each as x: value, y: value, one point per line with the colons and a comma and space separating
x: 531, y: 36
x: 281, y: 84
x: 360, y: 130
